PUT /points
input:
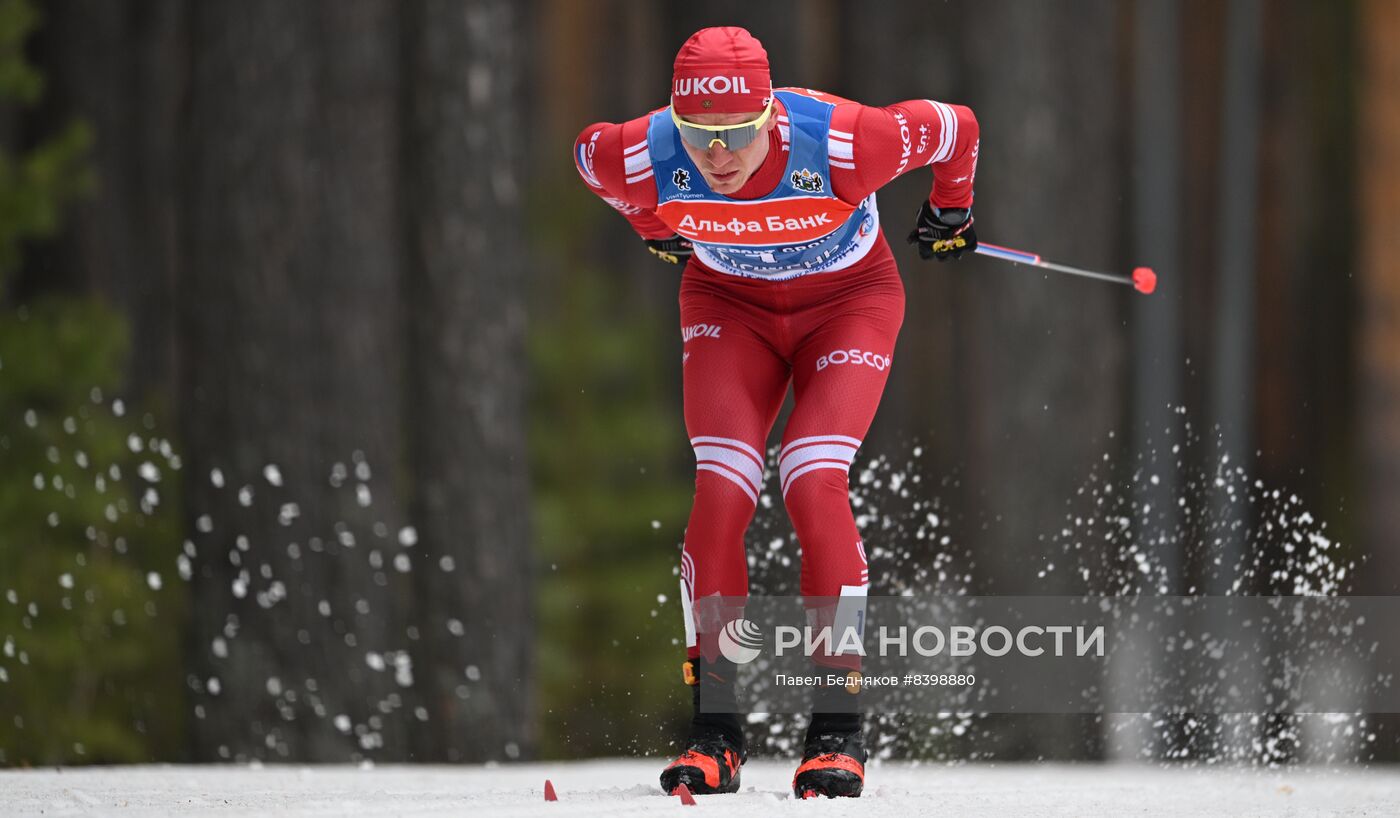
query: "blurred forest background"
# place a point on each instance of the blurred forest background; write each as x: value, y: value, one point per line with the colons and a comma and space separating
x: 339, y: 421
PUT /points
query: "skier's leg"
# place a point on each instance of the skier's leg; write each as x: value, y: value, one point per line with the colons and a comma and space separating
x: 734, y: 385
x: 839, y: 372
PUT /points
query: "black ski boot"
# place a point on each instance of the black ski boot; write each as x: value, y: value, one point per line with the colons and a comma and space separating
x: 715, y: 749
x: 833, y: 764
x: 833, y: 755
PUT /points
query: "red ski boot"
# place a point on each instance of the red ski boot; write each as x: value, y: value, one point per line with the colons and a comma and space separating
x: 714, y: 750
x: 709, y: 765
x: 833, y: 764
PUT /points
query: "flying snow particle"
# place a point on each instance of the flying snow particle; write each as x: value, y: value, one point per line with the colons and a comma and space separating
x: 403, y: 669
x: 272, y: 474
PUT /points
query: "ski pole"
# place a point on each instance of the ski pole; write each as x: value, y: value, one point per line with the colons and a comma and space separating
x: 1143, y: 279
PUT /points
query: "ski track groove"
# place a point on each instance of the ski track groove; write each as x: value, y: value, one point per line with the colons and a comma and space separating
x: 626, y: 787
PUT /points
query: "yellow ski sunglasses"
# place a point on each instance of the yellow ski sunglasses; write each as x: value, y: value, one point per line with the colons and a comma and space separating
x: 731, y: 137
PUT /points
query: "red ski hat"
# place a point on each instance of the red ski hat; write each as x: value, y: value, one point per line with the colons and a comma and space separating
x: 721, y: 70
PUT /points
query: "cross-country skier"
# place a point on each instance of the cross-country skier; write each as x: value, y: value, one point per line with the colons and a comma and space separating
x: 767, y: 196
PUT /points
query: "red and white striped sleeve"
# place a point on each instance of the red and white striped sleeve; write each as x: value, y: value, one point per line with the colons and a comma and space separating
x: 615, y: 164
x: 869, y: 146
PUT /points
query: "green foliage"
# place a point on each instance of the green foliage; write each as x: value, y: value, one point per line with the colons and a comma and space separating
x: 607, y: 451
x: 34, y: 190
x: 35, y: 187
x: 18, y: 79
x: 89, y: 625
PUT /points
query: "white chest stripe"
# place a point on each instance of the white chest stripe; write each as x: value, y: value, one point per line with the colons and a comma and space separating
x: 637, y: 162
x: 840, y: 150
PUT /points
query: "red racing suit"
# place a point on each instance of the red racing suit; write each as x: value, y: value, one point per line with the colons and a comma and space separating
x: 792, y: 283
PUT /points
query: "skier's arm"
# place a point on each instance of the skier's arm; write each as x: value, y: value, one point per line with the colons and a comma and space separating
x: 869, y: 146
x: 614, y: 164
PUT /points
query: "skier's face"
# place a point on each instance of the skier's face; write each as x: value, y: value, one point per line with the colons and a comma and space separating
x: 726, y: 171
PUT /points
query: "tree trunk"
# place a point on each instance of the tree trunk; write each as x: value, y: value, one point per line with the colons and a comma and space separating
x: 1379, y: 342
x: 1156, y: 152
x: 119, y: 65
x: 1156, y: 239
x: 1233, y: 361
x: 1379, y: 161
x: 1223, y: 556
x: 1042, y: 358
x: 879, y: 39
x: 291, y: 355
x: 464, y: 298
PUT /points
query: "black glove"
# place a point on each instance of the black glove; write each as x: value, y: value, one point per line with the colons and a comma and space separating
x: 943, y: 234
x: 675, y: 250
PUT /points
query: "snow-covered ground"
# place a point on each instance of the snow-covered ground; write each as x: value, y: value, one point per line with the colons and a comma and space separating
x: 628, y: 787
